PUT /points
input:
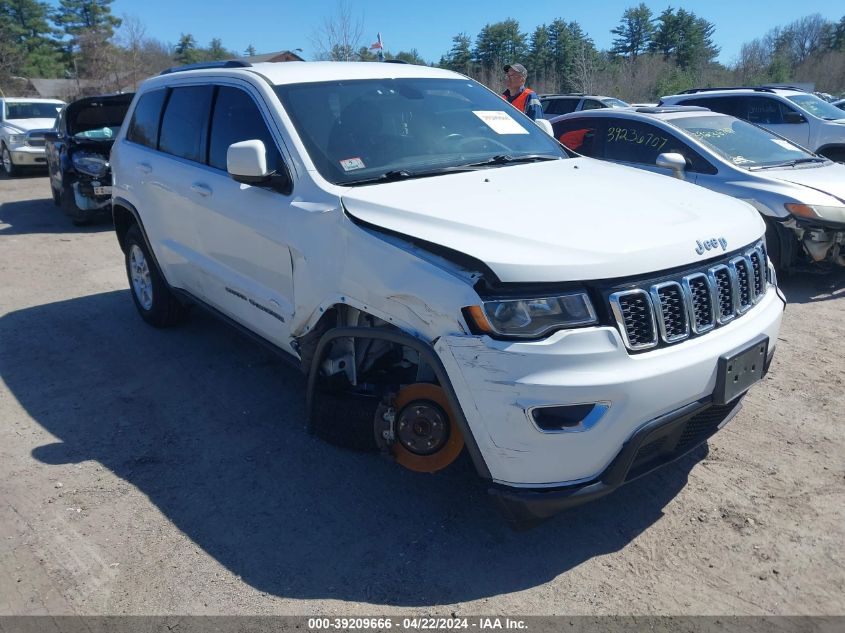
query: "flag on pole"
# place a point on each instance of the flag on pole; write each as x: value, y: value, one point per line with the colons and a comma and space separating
x: 379, y: 47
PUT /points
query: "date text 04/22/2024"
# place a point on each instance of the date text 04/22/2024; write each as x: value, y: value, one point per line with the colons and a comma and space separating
x: 416, y: 624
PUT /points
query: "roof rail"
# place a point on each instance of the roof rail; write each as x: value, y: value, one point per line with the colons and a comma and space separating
x: 229, y: 63
x: 668, y: 109
x: 767, y: 88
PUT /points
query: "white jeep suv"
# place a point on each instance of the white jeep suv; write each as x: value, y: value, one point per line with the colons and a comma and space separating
x: 800, y: 116
x: 23, y: 123
x: 445, y: 273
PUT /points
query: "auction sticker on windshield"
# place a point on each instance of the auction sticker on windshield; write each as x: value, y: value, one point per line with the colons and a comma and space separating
x: 500, y: 122
x: 351, y: 164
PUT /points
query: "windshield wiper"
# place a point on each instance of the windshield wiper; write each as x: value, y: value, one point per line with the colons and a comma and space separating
x: 507, y: 159
x: 403, y: 174
x: 790, y: 163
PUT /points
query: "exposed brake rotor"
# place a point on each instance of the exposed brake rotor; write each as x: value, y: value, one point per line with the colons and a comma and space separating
x: 427, y: 439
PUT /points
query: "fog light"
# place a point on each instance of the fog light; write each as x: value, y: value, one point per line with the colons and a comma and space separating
x: 568, y: 418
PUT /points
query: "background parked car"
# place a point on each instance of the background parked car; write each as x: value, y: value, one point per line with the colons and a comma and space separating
x: 22, y: 126
x: 801, y: 117
x: 800, y: 195
x: 78, y: 155
x: 555, y: 105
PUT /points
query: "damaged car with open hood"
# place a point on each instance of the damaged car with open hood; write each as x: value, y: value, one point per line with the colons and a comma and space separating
x: 77, y: 151
x: 448, y: 276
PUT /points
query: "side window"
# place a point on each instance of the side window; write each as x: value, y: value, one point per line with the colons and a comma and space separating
x: 237, y: 118
x: 143, y: 127
x: 581, y: 135
x: 636, y: 142
x: 592, y: 104
x: 560, y: 106
x: 185, y: 122
x: 725, y: 105
x: 764, y: 110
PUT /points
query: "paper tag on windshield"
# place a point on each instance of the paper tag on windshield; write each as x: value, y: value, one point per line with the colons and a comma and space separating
x: 351, y: 164
x: 784, y: 144
x: 500, y: 122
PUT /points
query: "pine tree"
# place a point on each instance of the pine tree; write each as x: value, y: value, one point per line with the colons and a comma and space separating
x: 634, y: 32
x: 76, y: 16
x: 29, y: 39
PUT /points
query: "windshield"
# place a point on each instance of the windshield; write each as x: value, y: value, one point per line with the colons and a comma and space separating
x: 32, y: 110
x: 741, y: 143
x: 817, y: 107
x: 612, y: 102
x: 364, y: 129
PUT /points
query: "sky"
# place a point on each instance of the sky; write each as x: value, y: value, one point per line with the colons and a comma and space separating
x: 429, y: 25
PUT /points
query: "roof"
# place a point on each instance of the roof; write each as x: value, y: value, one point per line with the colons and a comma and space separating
x: 707, y: 92
x: 663, y: 113
x: 574, y: 95
x: 312, y: 72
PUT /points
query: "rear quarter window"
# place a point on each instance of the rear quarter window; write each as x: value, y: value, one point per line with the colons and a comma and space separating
x: 143, y: 127
x: 581, y: 135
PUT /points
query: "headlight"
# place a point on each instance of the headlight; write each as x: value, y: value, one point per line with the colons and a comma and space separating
x: 17, y: 139
x: 91, y: 164
x: 532, y: 318
x: 817, y: 211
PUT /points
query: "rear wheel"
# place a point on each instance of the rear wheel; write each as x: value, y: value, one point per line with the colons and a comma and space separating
x: 155, y: 302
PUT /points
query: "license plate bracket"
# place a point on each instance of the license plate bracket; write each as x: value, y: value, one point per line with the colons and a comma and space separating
x: 740, y: 369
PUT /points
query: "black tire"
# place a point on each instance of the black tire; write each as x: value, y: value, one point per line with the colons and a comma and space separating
x: 781, y: 246
x: 57, y: 196
x: 9, y: 167
x: 156, y: 304
x: 344, y: 419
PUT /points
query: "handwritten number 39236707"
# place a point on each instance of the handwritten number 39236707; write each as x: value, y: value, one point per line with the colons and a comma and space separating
x: 625, y: 134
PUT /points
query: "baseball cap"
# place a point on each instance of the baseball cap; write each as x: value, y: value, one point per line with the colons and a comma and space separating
x: 518, y: 68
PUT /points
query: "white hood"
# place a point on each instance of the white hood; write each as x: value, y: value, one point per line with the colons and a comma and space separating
x: 21, y: 126
x: 564, y: 220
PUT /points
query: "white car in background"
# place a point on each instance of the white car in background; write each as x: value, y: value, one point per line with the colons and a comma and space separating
x: 445, y: 273
x: 800, y: 116
x: 23, y: 122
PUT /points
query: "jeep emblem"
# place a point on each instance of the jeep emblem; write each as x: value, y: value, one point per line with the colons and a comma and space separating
x: 709, y: 245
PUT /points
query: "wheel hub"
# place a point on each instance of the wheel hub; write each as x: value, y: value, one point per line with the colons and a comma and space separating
x: 422, y: 427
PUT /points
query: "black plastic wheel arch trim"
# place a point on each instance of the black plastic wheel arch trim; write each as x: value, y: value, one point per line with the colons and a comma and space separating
x: 427, y: 354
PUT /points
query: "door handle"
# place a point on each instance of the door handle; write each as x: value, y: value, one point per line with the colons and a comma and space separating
x: 201, y: 189
x: 145, y: 168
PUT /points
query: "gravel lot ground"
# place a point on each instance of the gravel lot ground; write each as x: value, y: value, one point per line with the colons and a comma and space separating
x: 169, y: 472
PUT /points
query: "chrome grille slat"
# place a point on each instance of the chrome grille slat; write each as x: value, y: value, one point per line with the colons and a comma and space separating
x: 634, y: 313
x: 671, y: 310
x: 674, y: 310
x: 700, y: 304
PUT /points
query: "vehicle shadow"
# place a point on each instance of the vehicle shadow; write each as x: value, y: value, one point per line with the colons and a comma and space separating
x: 26, y: 217
x: 811, y: 287
x: 210, y: 428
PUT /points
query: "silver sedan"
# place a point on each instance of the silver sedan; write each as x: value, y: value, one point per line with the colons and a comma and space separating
x: 801, y: 195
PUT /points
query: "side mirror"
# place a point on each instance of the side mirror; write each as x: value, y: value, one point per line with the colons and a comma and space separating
x: 246, y: 162
x: 674, y: 161
x: 544, y: 125
x: 794, y: 117
x: 51, y: 136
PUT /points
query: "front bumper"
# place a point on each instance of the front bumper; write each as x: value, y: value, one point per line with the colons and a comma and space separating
x: 498, y: 383
x: 25, y: 156
x: 657, y: 443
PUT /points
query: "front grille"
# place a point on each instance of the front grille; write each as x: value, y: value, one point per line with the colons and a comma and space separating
x: 675, y: 309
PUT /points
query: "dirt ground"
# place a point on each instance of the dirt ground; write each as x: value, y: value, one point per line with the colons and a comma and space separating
x: 169, y: 472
